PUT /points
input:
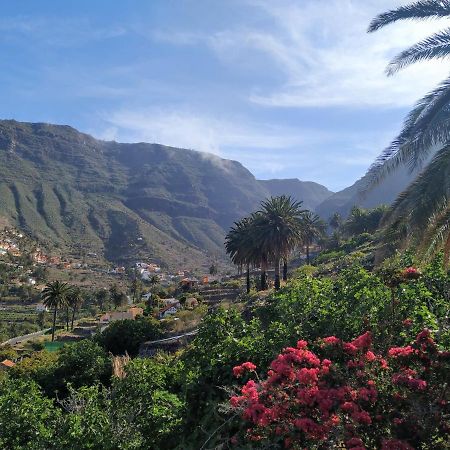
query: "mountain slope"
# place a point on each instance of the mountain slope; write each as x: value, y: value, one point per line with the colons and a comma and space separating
x: 384, y: 193
x: 121, y: 200
x: 312, y: 194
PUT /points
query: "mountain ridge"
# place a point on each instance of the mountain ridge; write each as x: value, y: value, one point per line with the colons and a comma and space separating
x: 122, y: 200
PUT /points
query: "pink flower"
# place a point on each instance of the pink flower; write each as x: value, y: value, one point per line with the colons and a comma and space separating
x: 363, y: 342
x: 370, y: 356
x: 331, y: 340
x: 396, y: 352
x: 238, y: 371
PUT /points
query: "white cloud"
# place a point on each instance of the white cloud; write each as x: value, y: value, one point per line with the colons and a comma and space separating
x: 187, y: 129
x: 329, y: 59
x: 324, y: 53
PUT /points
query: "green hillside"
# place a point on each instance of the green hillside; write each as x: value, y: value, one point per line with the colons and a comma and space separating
x: 120, y: 200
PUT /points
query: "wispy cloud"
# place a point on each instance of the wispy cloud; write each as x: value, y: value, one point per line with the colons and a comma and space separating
x: 323, y: 52
x: 266, y: 149
x: 58, y: 31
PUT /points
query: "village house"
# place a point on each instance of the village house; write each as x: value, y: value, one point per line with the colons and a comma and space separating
x: 188, y: 283
x: 7, y: 364
x: 169, y: 301
x: 129, y: 314
x: 167, y: 311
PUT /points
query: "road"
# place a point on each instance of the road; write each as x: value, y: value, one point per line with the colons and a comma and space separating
x: 18, y: 339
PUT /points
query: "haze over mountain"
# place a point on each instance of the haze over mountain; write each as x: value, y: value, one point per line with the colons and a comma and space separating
x: 126, y: 200
x: 358, y: 195
x: 310, y: 193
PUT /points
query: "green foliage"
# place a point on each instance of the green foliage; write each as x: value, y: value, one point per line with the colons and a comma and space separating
x: 143, y: 396
x: 26, y: 417
x: 83, y: 363
x: 125, y: 336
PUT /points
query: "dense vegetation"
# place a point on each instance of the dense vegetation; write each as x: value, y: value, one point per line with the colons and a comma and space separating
x: 182, y: 401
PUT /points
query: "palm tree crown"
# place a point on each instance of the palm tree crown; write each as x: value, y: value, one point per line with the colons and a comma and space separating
x: 279, y: 229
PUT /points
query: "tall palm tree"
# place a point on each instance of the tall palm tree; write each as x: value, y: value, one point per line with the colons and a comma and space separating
x: 312, y: 228
x: 424, y: 141
x: 279, y: 229
x: 74, y: 300
x: 239, y: 243
x: 53, y: 296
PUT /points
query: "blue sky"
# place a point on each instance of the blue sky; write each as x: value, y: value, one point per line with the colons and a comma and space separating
x: 290, y: 88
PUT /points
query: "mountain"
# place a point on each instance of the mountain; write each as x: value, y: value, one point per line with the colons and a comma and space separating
x: 384, y: 193
x: 123, y: 201
x: 312, y: 194
x: 126, y: 201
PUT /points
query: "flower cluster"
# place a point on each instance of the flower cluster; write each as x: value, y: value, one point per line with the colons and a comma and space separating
x: 411, y: 273
x: 238, y: 371
x: 348, y: 395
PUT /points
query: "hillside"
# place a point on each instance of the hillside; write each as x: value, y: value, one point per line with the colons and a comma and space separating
x: 385, y: 193
x: 68, y: 189
x: 312, y: 194
x: 123, y: 201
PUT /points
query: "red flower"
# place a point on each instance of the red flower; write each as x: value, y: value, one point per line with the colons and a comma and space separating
x: 363, y: 342
x: 396, y: 352
x: 331, y: 340
x: 238, y: 371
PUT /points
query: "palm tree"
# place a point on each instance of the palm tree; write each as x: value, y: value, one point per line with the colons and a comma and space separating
x: 239, y: 245
x: 53, y: 296
x: 422, y: 210
x: 312, y: 228
x: 74, y: 300
x: 335, y: 221
x: 279, y: 229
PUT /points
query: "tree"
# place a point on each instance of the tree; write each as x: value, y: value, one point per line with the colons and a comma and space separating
x: 240, y: 245
x: 74, y: 301
x: 27, y: 418
x: 136, y: 287
x: 102, y: 297
x: 53, y: 296
x: 125, y: 336
x: 312, y: 228
x: 335, y: 221
x: 213, y: 269
x: 279, y: 228
x: 421, y: 215
x: 117, y: 296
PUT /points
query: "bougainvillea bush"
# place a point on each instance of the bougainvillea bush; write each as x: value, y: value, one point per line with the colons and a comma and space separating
x: 344, y: 395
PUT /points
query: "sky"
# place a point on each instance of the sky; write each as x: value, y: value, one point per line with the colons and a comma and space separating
x: 290, y: 88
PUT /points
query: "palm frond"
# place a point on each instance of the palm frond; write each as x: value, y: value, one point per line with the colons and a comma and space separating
x: 425, y: 127
x: 436, y: 46
x: 438, y: 233
x: 420, y: 209
x: 423, y: 9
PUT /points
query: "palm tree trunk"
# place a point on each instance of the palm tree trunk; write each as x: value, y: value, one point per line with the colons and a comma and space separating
x: 54, y: 324
x: 285, y: 269
x: 307, y: 253
x: 67, y: 318
x: 277, y: 273
x: 263, y: 279
x: 73, y: 317
x: 248, y: 278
